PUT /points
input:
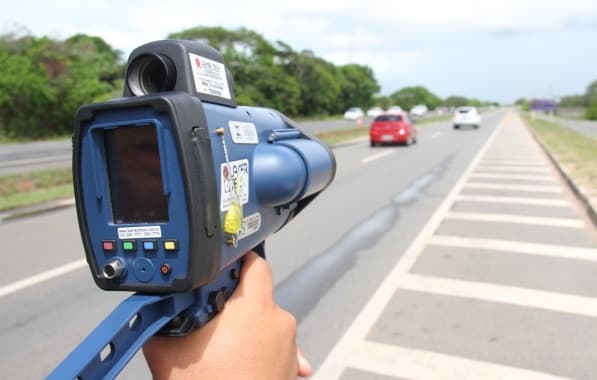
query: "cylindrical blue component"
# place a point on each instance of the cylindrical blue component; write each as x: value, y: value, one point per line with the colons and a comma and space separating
x: 319, y: 161
x: 279, y: 175
x: 289, y: 170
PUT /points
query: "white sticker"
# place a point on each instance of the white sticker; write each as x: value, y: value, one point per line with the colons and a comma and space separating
x: 228, y: 174
x: 210, y: 76
x: 251, y: 224
x: 243, y: 133
x: 140, y: 232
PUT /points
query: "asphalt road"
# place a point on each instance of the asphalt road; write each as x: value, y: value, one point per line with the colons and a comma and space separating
x: 327, y: 263
x: 23, y: 157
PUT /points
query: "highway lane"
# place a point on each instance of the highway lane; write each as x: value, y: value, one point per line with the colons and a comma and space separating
x: 339, y: 249
x: 23, y: 157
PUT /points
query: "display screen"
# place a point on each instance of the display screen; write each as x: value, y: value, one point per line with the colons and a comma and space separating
x: 135, y: 175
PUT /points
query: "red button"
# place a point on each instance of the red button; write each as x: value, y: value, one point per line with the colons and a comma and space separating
x: 165, y: 268
x: 108, y: 245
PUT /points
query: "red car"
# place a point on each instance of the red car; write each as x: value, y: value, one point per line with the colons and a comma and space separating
x: 391, y: 128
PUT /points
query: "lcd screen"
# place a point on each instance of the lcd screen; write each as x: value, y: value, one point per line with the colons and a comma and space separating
x: 135, y: 175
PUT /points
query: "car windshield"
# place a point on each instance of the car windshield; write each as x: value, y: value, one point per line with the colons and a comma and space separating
x: 464, y: 110
x: 389, y: 118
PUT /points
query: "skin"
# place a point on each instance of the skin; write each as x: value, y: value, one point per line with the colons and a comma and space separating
x: 252, y: 338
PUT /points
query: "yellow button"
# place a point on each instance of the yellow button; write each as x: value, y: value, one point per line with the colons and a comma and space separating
x: 170, y: 245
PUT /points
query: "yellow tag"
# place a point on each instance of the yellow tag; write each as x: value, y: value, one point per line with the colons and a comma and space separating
x: 234, y: 218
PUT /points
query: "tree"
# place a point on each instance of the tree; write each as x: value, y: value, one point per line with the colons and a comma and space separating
x: 357, y: 87
x: 591, y: 101
x: 408, y: 97
x: 44, y: 81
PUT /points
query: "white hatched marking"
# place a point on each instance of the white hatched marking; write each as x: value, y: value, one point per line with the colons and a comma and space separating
x: 512, y: 295
x: 514, y: 169
x: 514, y: 200
x: 488, y: 161
x: 504, y: 186
x: 376, y: 156
x: 526, y: 177
x: 436, y: 135
x: 410, y: 363
x: 336, y: 360
x: 552, y: 250
x: 41, y: 277
x: 508, y: 218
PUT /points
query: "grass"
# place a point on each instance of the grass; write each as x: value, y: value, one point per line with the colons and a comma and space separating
x: 18, y: 190
x: 334, y: 137
x: 576, y: 153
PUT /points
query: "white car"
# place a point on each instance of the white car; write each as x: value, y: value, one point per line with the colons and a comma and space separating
x: 419, y: 110
x: 395, y: 109
x: 374, y: 111
x: 354, y: 113
x: 466, y: 116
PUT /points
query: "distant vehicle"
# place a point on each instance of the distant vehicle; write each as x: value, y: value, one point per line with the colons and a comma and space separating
x: 354, y: 113
x: 374, y: 111
x: 419, y: 110
x: 392, y: 128
x: 395, y: 109
x: 466, y: 116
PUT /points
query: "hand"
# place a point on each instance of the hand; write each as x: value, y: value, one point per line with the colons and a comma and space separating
x: 252, y: 338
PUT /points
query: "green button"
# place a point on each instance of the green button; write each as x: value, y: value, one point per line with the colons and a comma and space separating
x: 128, y: 245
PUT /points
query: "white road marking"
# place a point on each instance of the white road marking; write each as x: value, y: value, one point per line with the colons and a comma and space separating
x: 488, y: 161
x: 436, y: 135
x: 512, y: 295
x: 41, y: 277
x: 552, y: 250
x: 514, y: 169
x: 376, y: 156
x: 508, y: 218
x: 514, y: 200
x: 525, y: 177
x: 410, y: 363
x: 503, y: 186
x: 337, y: 359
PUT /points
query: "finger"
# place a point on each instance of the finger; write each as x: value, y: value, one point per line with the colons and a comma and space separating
x: 304, y: 367
x: 256, y: 278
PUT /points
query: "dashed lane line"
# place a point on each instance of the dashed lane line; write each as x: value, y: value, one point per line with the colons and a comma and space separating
x: 376, y: 156
x: 41, y: 277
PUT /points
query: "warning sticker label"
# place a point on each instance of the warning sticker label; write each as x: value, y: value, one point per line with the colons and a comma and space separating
x: 210, y: 76
x: 251, y: 224
x: 229, y: 172
x: 243, y: 133
x: 139, y: 232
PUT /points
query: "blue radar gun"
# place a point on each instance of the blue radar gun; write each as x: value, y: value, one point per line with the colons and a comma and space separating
x: 174, y: 183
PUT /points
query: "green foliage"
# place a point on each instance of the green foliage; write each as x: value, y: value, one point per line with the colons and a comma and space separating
x: 572, y: 101
x: 274, y: 75
x: 591, y: 101
x: 591, y: 112
x: 455, y: 101
x: 408, y: 97
x: 44, y: 81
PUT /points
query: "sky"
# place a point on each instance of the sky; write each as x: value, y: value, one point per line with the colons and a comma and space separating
x: 498, y: 50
